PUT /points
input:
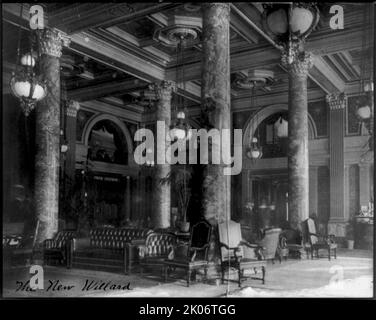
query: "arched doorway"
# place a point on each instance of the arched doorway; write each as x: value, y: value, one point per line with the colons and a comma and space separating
x: 106, y: 184
x: 266, y: 179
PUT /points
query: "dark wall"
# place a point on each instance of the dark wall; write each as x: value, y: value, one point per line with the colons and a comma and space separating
x: 323, y: 195
x: 18, y: 157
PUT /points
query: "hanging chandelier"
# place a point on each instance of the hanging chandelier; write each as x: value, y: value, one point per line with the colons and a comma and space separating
x: 24, y: 83
x: 180, y: 129
x: 289, y: 24
x: 254, y: 150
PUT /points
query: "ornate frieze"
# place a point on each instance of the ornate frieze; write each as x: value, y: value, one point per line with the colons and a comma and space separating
x: 51, y: 42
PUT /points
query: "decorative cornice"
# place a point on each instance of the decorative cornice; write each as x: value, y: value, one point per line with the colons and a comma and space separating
x: 164, y: 89
x: 51, y: 42
x: 297, y: 62
x: 72, y: 108
x: 336, y: 101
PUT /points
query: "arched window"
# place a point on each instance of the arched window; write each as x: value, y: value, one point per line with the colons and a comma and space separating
x: 107, y: 143
x: 272, y: 145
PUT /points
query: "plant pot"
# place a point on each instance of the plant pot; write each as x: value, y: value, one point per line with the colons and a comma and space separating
x: 350, y: 244
x: 184, y: 226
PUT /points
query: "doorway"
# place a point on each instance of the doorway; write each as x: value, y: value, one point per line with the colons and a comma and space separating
x: 269, y: 199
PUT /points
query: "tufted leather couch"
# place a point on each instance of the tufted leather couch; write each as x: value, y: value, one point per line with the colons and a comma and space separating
x: 158, y: 246
x: 57, y: 248
x: 107, y: 248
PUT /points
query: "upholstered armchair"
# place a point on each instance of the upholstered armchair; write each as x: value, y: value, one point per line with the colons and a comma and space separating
x: 317, y: 241
x: 239, y: 254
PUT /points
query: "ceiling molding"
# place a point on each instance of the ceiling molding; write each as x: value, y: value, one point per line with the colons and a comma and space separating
x: 106, y: 89
x: 104, y: 15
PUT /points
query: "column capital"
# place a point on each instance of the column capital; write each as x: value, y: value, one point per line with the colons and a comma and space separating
x: 163, y: 89
x: 219, y: 5
x: 336, y: 101
x: 51, y: 41
x: 72, y: 108
x: 297, y: 62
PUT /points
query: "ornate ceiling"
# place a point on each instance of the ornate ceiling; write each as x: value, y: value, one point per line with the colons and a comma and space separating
x: 118, y: 48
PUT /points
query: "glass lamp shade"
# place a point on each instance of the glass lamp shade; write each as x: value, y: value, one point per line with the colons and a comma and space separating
x: 28, y: 89
x: 150, y: 163
x: 281, y: 127
x: 180, y: 130
x: 180, y: 115
x: 298, y: 21
x: 28, y: 60
x: 254, y: 153
x: 277, y: 22
x: 364, y: 112
x: 22, y: 89
x: 64, y: 148
x: 177, y: 133
x: 301, y: 20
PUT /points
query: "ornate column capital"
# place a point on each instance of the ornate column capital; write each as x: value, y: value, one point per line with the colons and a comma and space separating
x: 72, y: 108
x: 164, y: 89
x: 336, y: 101
x: 297, y: 62
x: 219, y: 5
x: 51, y: 41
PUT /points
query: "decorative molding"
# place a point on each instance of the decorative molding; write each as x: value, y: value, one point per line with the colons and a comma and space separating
x: 336, y: 101
x: 51, y: 41
x: 298, y: 63
x: 72, y: 108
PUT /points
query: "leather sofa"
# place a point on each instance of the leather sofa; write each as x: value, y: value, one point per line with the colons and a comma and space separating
x: 157, y: 248
x: 110, y: 249
x: 57, y: 248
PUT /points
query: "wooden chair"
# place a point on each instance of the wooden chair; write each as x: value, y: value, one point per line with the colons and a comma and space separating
x: 318, y: 242
x: 196, y: 256
x: 233, y: 253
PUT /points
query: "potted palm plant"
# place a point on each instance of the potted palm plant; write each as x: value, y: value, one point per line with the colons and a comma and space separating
x: 179, y: 178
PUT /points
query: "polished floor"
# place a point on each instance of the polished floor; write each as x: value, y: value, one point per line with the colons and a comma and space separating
x: 285, y: 279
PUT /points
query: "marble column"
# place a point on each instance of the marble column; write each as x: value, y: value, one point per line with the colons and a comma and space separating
x: 336, y: 103
x: 162, y: 193
x: 48, y: 136
x: 313, y: 185
x: 215, y: 94
x: 298, y: 66
x: 71, y: 123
